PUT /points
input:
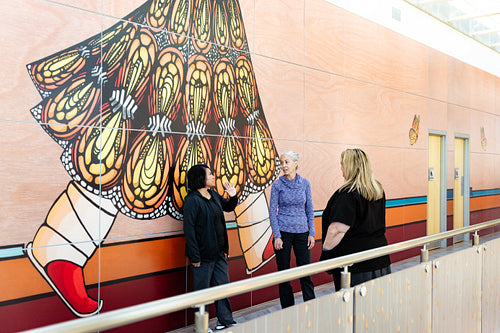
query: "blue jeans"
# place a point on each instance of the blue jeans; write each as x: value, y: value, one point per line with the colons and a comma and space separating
x: 214, y: 273
x: 302, y: 257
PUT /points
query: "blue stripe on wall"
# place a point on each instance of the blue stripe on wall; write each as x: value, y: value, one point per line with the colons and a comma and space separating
x: 485, y: 192
x: 406, y: 201
x: 11, y: 252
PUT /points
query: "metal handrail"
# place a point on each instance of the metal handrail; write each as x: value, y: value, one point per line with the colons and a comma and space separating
x: 160, y: 307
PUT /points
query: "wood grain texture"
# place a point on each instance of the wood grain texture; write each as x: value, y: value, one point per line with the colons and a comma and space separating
x: 324, y: 107
x: 279, y: 29
x: 281, y: 88
x: 324, y: 37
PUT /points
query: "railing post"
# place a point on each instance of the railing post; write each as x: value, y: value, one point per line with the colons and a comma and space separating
x: 475, y: 241
x: 201, y: 319
x: 345, y: 279
x: 424, y: 254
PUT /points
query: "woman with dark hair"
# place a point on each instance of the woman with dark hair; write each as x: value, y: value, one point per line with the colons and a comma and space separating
x: 354, y: 219
x: 206, y: 235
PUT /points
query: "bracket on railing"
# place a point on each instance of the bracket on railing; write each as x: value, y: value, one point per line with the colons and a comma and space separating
x: 424, y: 254
x: 475, y: 241
x: 201, y: 319
x: 345, y: 279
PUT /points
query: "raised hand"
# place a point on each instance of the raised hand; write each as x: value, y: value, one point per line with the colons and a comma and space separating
x: 229, y: 188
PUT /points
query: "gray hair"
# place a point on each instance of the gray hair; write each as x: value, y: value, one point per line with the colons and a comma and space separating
x: 293, y: 155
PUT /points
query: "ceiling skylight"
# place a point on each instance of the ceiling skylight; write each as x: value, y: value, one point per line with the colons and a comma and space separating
x: 479, y: 19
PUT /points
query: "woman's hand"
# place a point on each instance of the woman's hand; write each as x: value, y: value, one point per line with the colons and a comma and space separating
x: 229, y: 188
x: 196, y: 264
x: 310, y: 242
x: 278, y: 244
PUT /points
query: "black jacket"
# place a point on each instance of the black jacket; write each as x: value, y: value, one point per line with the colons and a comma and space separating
x: 199, y: 229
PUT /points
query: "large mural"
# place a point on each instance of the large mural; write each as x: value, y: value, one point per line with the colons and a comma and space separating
x: 169, y: 86
x: 120, y: 98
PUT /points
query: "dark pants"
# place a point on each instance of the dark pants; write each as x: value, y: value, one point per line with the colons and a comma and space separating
x: 302, y: 257
x: 358, y: 278
x: 214, y: 273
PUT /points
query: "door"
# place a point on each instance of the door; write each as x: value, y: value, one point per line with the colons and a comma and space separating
x: 461, y: 194
x: 434, y: 190
x: 458, y: 188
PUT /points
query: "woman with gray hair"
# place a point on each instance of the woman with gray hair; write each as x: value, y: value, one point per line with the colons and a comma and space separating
x: 292, y: 221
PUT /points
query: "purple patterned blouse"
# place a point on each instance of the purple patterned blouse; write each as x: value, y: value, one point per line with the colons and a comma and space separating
x: 290, y: 207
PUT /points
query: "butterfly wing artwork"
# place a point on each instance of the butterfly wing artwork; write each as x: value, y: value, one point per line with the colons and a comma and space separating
x: 169, y: 86
x: 413, y: 134
x: 484, y: 141
x: 85, y: 89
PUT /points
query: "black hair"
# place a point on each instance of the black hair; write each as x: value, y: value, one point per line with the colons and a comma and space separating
x: 197, y: 177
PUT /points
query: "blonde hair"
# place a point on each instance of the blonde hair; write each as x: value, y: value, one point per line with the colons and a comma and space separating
x: 359, y: 175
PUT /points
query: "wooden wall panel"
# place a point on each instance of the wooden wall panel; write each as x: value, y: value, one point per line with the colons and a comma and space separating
x: 460, y: 79
x: 27, y: 37
x: 279, y: 29
x: 325, y: 35
x: 248, y: 13
x: 361, y: 112
x: 483, y: 91
x: 324, y: 99
x: 459, y: 119
x: 437, y: 115
x: 437, y: 75
x: 325, y: 179
x: 415, y: 67
x: 482, y: 175
x: 362, y: 49
x: 497, y: 97
x: 283, y: 100
x: 28, y: 157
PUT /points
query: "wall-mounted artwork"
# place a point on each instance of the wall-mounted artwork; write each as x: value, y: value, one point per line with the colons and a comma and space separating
x: 484, y: 141
x: 107, y: 104
x: 169, y: 86
x: 413, y: 134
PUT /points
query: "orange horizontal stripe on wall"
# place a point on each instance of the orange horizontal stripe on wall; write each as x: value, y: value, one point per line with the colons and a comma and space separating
x: 20, y: 279
x: 484, y: 202
x: 132, y: 259
x: 449, y: 207
x: 395, y: 216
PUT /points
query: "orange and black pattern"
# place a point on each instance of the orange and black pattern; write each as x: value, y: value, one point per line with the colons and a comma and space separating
x: 169, y: 86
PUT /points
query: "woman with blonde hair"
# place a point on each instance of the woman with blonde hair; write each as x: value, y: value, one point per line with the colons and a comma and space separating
x: 354, y: 219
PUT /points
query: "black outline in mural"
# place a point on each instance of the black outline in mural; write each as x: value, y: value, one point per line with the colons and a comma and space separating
x: 169, y: 86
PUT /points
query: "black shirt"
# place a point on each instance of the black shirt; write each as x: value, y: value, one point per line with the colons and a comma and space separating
x: 366, y: 220
x: 219, y: 224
